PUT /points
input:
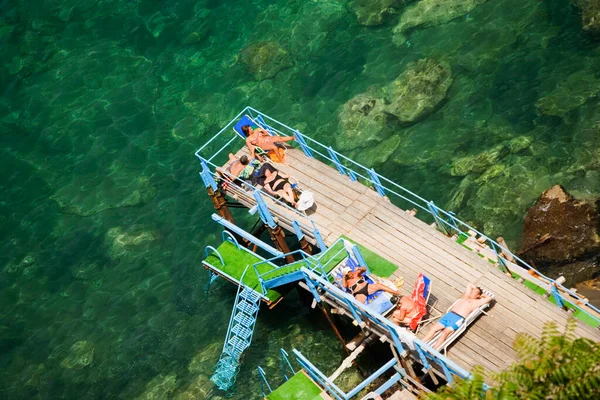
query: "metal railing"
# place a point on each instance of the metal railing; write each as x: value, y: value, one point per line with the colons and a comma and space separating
x: 446, y: 221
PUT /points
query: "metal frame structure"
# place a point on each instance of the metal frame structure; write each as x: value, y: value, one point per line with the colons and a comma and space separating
x: 446, y: 221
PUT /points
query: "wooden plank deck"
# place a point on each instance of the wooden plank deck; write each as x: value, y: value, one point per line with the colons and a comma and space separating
x: 352, y: 209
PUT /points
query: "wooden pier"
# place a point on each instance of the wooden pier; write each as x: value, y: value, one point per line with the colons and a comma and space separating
x: 358, y: 212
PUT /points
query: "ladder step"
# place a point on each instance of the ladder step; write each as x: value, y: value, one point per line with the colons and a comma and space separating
x: 243, y: 319
x: 250, y: 295
x: 241, y: 331
x: 247, y: 308
x: 237, y: 346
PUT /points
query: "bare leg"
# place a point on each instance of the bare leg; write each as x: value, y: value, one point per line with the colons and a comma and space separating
x: 434, y: 329
x: 287, y: 193
x: 398, y: 320
x: 373, y: 287
x: 442, y: 337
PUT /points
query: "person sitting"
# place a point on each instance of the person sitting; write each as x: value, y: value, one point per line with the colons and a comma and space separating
x: 236, y: 165
x: 233, y: 170
x: 405, y: 312
x: 277, y: 183
x: 358, y: 285
x: 260, y: 138
x: 451, y: 321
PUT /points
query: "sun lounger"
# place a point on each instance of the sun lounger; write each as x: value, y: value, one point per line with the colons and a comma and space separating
x: 468, y: 321
x: 420, y: 296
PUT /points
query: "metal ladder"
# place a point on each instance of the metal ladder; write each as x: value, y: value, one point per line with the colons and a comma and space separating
x: 239, y: 337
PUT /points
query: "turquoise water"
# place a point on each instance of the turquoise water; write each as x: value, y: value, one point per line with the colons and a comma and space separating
x: 104, y: 219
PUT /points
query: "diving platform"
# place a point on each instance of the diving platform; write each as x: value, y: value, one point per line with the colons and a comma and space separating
x: 389, y: 225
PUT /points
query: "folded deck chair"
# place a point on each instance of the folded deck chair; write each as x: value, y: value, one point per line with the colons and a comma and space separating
x: 463, y: 327
x: 275, y: 156
x: 378, y: 301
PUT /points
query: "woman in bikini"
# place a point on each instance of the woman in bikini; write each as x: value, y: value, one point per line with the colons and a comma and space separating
x: 277, y: 183
x: 260, y: 138
x: 358, y: 285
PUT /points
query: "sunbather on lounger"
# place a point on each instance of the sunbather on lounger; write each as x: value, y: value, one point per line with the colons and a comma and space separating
x: 260, y: 138
x: 471, y: 299
x: 277, y: 183
x: 358, y: 285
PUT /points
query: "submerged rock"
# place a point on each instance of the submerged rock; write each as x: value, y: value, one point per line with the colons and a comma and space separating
x: 264, y: 60
x: 427, y: 13
x: 561, y: 229
x: 374, y: 12
x: 122, y: 240
x: 478, y: 163
x: 160, y: 387
x: 363, y: 121
x: 84, y: 198
x: 418, y: 90
x: 590, y: 14
x: 80, y: 356
x: 570, y: 94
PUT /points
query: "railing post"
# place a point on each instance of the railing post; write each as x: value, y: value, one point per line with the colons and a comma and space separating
x: 352, y: 175
x: 313, y: 288
x: 284, y: 360
x: 557, y: 296
x: 304, y: 244
x: 501, y: 260
x: 359, y: 257
x: 397, y: 342
x: 436, y: 216
x: 319, y: 238
x: 376, y: 182
x: 263, y: 210
x: 302, y: 143
x: 336, y: 160
x: 207, y: 176
x: 262, y: 377
x: 355, y: 315
x: 447, y: 373
x: 426, y: 366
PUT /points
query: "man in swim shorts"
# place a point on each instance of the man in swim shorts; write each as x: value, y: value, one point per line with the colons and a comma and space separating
x: 471, y: 299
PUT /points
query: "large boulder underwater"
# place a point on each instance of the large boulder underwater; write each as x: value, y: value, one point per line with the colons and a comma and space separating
x: 590, y: 14
x: 264, y: 60
x: 370, y: 117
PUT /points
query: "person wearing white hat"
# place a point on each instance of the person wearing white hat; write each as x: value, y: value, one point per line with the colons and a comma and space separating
x: 355, y: 281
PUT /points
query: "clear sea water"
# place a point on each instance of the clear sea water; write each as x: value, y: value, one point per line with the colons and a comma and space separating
x: 103, y: 215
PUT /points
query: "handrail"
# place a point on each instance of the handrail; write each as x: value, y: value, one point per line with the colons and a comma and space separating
x: 446, y: 221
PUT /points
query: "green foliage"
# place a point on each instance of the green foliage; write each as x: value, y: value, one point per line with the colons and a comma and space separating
x: 555, y: 366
